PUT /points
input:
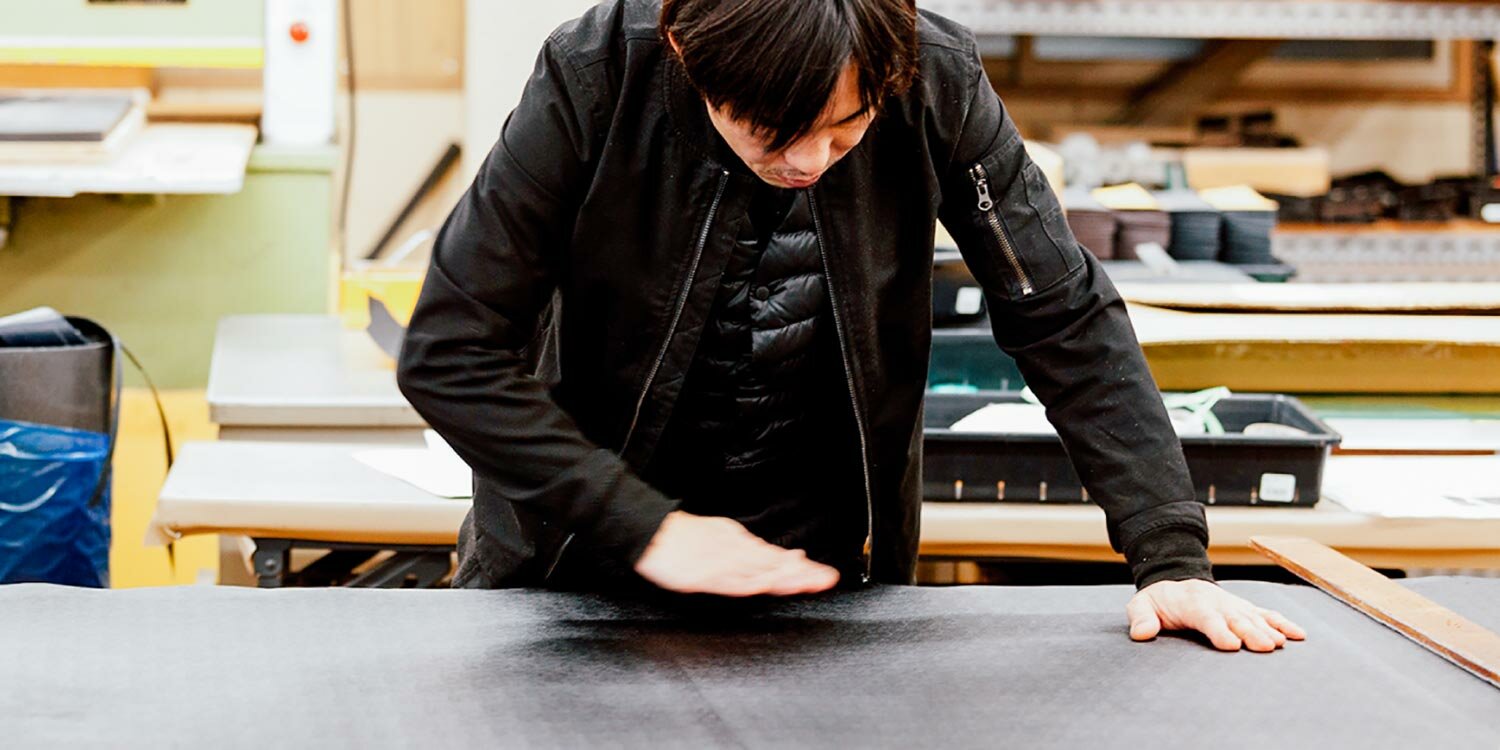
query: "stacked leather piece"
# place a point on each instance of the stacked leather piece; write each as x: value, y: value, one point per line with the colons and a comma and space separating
x: 1249, y: 220
x: 1093, y: 225
x: 1195, y: 225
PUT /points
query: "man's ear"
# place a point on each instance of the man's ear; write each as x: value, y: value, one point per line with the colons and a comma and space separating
x: 677, y: 48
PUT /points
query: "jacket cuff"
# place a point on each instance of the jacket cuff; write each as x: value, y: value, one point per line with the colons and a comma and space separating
x: 1169, y: 554
x: 629, y: 519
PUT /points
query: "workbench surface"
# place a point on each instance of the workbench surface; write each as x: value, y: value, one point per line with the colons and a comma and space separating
x: 883, y: 667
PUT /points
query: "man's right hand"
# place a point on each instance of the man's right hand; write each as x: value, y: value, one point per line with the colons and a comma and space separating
x: 703, y: 555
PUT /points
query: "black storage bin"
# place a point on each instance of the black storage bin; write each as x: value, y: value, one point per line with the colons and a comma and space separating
x: 62, y: 386
x: 1229, y: 469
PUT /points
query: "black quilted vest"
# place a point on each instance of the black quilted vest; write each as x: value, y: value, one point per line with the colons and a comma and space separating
x: 750, y: 392
x: 758, y: 429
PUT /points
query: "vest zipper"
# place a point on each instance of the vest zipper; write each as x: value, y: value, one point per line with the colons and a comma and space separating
x: 987, y: 207
x: 859, y: 421
x: 661, y: 357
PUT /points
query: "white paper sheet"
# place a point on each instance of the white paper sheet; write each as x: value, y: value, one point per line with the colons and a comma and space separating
x: 435, y: 469
x: 1415, y: 486
x: 1008, y: 418
x: 1031, y: 419
x: 1417, y: 434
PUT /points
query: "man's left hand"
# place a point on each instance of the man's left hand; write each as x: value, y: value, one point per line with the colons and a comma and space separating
x: 1226, y: 619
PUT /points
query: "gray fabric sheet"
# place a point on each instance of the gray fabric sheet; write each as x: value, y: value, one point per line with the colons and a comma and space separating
x: 890, y: 667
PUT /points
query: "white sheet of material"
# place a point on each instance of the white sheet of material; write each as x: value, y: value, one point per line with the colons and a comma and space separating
x: 1428, y: 435
x: 291, y: 490
x: 167, y: 158
x: 1416, y: 486
x: 435, y: 468
x: 1028, y: 419
x: 1031, y: 419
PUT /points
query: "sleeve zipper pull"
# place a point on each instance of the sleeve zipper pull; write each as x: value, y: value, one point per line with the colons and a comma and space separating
x: 982, y: 185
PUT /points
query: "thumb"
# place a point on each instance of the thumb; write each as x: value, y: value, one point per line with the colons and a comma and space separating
x: 1144, y: 624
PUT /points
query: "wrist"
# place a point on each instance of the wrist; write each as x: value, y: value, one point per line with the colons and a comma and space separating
x: 630, y: 520
x: 1169, y: 554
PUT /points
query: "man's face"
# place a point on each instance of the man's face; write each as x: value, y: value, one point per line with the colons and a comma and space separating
x: 841, y: 127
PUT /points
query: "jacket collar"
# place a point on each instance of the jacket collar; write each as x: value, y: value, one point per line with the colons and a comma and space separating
x: 690, y: 124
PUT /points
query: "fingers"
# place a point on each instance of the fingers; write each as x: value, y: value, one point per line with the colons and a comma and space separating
x: 698, y: 555
x: 1216, y: 627
x: 1286, y: 627
x: 1254, y: 632
x: 784, y: 582
x: 779, y: 572
x: 1229, y: 622
x: 1144, y: 624
x: 809, y: 578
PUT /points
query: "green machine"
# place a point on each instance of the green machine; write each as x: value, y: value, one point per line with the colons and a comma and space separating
x: 161, y: 268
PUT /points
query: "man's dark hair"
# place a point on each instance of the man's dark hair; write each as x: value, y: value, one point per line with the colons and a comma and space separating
x: 775, y: 63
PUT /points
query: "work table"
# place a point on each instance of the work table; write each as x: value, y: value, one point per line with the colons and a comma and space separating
x: 883, y: 667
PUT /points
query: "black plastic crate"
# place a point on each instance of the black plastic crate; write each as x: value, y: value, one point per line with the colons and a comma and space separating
x: 1229, y: 469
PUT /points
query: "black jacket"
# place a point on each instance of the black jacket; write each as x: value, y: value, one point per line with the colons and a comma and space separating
x: 569, y: 288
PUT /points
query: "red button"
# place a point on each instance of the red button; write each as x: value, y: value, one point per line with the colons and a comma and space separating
x: 299, y: 32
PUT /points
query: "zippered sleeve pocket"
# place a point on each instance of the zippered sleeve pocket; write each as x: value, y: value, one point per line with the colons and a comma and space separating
x: 1014, y: 235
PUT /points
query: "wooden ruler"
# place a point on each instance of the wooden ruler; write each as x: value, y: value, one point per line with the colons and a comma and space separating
x: 1431, y: 625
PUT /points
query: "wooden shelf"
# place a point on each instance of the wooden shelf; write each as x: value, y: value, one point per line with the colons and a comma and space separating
x: 1390, y: 251
x: 1458, y: 227
x: 168, y: 159
x: 1230, y: 19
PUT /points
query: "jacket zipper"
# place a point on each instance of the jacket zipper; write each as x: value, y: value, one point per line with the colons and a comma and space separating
x: 859, y: 420
x: 987, y: 207
x: 661, y: 357
x: 682, y: 297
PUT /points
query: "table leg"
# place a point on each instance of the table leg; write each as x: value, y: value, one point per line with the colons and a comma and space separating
x: 272, y: 558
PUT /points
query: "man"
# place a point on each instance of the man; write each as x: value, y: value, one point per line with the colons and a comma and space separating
x: 679, y: 325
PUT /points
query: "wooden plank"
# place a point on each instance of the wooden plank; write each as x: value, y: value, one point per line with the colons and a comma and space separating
x: 1455, y: 227
x: 1271, y: 82
x: 244, y: 109
x: 1478, y: 560
x: 1076, y: 532
x: 1290, y: 171
x: 74, y: 77
x: 1155, y: 325
x: 1430, y: 625
x: 1186, y: 88
x: 1456, y: 298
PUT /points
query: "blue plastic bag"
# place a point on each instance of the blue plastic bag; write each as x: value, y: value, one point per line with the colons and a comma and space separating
x: 53, y: 528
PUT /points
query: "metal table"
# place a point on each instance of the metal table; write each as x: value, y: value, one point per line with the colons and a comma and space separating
x: 305, y: 378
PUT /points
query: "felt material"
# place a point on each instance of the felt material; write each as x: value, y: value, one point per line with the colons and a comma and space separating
x: 1249, y: 220
x: 885, y: 667
x: 1196, y: 226
x: 1247, y: 237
